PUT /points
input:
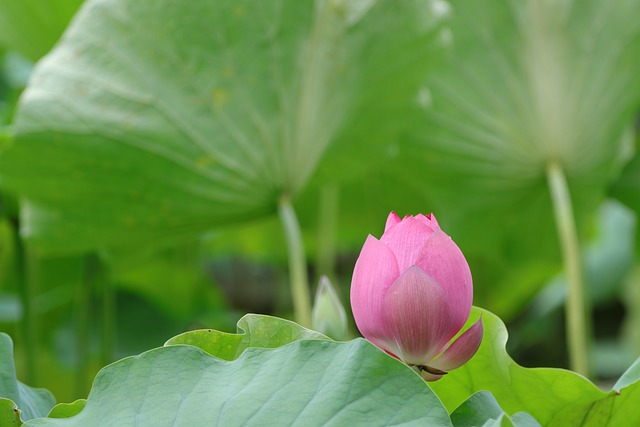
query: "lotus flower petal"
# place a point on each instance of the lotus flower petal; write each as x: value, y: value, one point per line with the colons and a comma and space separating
x: 461, y: 350
x: 442, y: 259
x: 392, y: 220
x: 407, y: 240
x: 375, y: 271
x: 415, y: 310
x: 429, y: 220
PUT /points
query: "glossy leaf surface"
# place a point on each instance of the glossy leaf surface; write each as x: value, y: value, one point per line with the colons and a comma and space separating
x: 306, y: 383
x: 555, y: 397
x: 482, y: 409
x: 254, y: 330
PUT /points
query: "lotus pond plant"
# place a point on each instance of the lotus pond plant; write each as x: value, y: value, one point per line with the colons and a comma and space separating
x: 130, y: 147
x: 411, y: 294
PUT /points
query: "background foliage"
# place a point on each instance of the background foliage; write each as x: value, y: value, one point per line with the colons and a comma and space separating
x: 144, y: 156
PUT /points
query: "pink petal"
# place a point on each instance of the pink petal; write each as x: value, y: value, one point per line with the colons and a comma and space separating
x: 415, y: 310
x: 461, y: 350
x: 392, y: 220
x: 429, y: 220
x: 407, y: 240
x: 442, y: 259
x: 375, y: 271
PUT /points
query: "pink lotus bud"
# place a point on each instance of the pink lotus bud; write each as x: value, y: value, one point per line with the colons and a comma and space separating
x: 411, y: 293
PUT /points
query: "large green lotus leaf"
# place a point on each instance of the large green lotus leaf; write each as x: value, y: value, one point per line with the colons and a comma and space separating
x: 67, y: 410
x: 9, y: 413
x: 307, y: 383
x: 33, y: 26
x: 154, y: 120
x: 482, y: 409
x: 254, y: 330
x: 555, y: 397
x: 527, y: 82
x: 32, y: 402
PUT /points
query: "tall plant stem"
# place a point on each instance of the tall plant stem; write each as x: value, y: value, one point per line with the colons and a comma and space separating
x: 578, y: 324
x: 298, y: 278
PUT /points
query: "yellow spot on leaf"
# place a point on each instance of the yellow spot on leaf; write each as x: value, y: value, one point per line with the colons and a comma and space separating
x: 204, y: 162
x: 220, y: 98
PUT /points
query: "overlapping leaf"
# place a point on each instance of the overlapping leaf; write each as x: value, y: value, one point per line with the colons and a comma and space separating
x: 31, y: 402
x: 153, y: 120
x: 9, y: 413
x: 482, y: 409
x: 306, y: 383
x: 67, y: 410
x: 254, y: 330
x: 555, y: 397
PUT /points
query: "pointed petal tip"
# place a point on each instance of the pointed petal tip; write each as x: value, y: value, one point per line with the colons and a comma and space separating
x: 462, y: 349
x: 407, y: 240
x: 428, y: 220
x: 324, y: 285
x: 392, y: 220
x: 433, y: 219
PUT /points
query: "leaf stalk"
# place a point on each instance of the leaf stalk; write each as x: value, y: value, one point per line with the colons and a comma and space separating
x: 298, y: 277
x: 578, y: 323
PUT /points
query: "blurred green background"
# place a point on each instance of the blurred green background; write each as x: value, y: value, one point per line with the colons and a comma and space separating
x: 144, y: 148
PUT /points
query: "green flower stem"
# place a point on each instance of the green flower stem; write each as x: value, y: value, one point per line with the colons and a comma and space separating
x: 298, y: 279
x: 578, y: 325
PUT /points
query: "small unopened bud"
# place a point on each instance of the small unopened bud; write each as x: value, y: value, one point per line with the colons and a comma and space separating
x: 329, y: 316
